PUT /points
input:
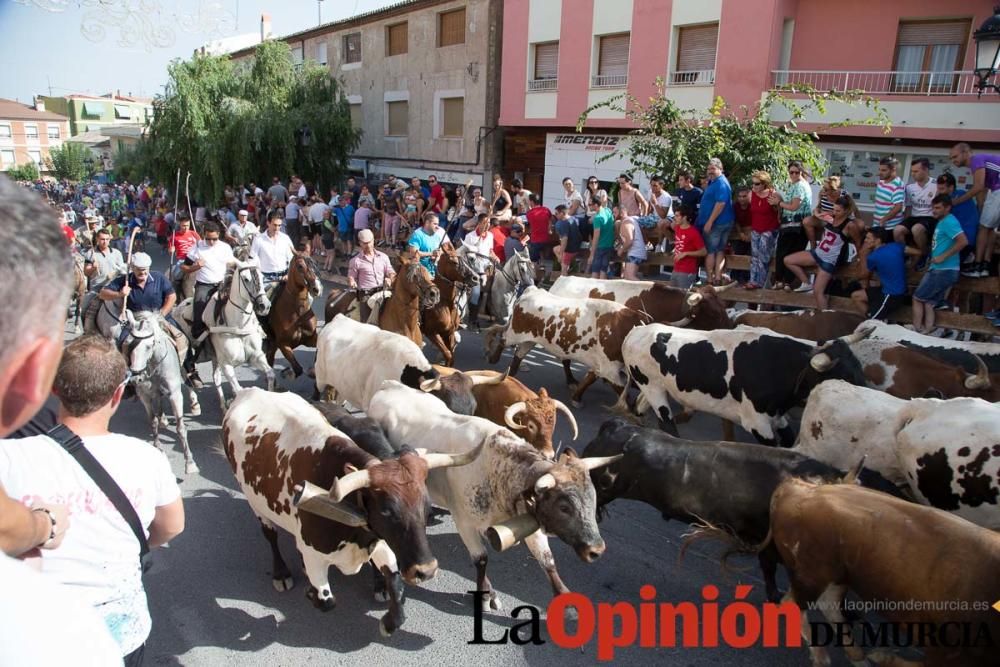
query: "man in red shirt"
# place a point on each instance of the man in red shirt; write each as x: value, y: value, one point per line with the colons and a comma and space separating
x: 540, y: 230
x: 688, y: 247
x: 180, y: 244
x: 67, y: 230
x: 437, y: 202
x: 500, y: 234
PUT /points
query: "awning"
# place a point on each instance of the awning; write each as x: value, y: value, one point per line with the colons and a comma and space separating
x: 123, y: 111
x: 93, y: 109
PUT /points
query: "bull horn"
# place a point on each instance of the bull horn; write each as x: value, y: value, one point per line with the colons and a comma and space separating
x: 349, y: 483
x: 433, y: 384
x: 981, y: 380
x: 441, y: 460
x: 316, y: 500
x: 723, y: 288
x: 694, y: 299
x: 821, y: 362
x: 683, y: 322
x: 512, y: 411
x: 858, y: 336
x: 504, y: 535
x: 594, y: 462
x: 492, y: 378
x: 561, y: 407
x: 546, y: 481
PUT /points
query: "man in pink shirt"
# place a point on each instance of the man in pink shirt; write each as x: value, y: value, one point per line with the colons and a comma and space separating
x: 369, y: 271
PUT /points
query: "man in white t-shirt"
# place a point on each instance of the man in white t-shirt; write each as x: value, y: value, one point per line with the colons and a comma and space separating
x: 208, y: 260
x: 99, y: 557
x: 917, y: 198
x: 273, y: 249
x: 661, y: 209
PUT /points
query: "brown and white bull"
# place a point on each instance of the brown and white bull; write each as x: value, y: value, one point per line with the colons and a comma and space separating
x: 660, y: 301
x: 510, y: 403
x: 815, y: 325
x: 277, y: 442
x: 511, y: 489
x: 589, y: 331
x: 914, y: 372
x: 945, y: 451
x: 954, y: 352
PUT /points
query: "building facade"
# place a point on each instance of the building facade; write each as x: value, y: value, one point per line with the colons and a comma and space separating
x: 90, y: 112
x: 561, y: 57
x: 423, y: 81
x: 27, y: 134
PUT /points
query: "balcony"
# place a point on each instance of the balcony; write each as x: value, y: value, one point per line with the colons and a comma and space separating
x: 704, y: 77
x: 540, y: 85
x: 880, y: 83
x: 609, y: 81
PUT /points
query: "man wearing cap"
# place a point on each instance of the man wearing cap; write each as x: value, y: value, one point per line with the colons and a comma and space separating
x: 369, y: 271
x: 240, y: 231
x: 146, y: 290
x: 274, y: 250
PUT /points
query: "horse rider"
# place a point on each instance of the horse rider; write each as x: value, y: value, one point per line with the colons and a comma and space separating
x: 241, y: 232
x: 208, y: 261
x: 428, y: 241
x: 181, y: 243
x: 478, y: 245
x: 368, y: 272
x: 101, y: 265
x: 274, y: 250
x: 147, y: 290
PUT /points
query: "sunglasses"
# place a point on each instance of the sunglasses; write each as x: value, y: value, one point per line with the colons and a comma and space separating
x: 794, y: 171
x: 756, y: 183
x: 591, y: 182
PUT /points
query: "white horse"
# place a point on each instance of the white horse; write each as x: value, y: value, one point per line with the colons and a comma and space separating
x: 156, y: 373
x: 516, y: 271
x: 233, y: 329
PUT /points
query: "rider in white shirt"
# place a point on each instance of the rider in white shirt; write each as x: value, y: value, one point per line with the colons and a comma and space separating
x: 208, y: 260
x: 274, y: 250
x: 239, y: 231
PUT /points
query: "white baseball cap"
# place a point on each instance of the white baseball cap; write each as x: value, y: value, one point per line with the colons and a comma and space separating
x: 366, y: 236
x: 141, y: 260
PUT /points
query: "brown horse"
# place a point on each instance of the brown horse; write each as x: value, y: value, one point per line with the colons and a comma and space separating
x: 439, y: 324
x: 292, y: 320
x: 412, y: 291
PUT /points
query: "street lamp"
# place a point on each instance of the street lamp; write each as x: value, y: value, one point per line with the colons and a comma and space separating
x: 988, y: 52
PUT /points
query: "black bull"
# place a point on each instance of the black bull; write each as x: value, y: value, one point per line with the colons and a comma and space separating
x: 726, y: 484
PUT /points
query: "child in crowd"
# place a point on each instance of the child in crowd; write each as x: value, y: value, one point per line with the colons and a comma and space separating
x: 568, y: 228
x: 949, y: 240
x: 688, y: 247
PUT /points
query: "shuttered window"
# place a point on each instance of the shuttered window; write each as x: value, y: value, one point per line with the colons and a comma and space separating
x: 613, y: 56
x: 321, y: 53
x: 355, y: 116
x: 297, y: 56
x: 696, y: 47
x: 546, y: 61
x: 31, y: 131
x: 352, y: 48
x: 451, y: 27
x: 396, y: 40
x: 924, y: 48
x: 453, y: 117
x: 398, y: 114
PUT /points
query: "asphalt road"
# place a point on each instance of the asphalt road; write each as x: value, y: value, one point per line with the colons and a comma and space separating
x: 212, y: 601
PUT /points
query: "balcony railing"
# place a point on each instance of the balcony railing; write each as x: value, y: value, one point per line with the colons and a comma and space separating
x: 703, y: 77
x: 609, y: 81
x: 881, y: 83
x: 542, y: 84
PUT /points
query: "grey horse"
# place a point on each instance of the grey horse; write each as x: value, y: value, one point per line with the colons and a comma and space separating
x: 517, y: 272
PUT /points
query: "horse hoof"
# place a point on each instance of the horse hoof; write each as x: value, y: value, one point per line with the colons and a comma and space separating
x: 195, y: 411
x: 570, y: 614
x: 282, y: 584
x: 495, y: 602
x: 288, y: 374
x: 386, y: 626
x: 191, y: 468
x: 381, y: 596
x: 311, y: 373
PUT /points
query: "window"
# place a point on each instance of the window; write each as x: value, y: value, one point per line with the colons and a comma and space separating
x: 31, y: 131
x: 123, y: 112
x: 7, y: 158
x: 397, y: 114
x: 53, y: 131
x: 546, y: 66
x: 397, y: 40
x: 352, y: 48
x: 696, y: 47
x: 612, y: 61
x: 297, y: 56
x: 453, y: 117
x: 93, y: 109
x: 356, y: 116
x: 36, y: 157
x: 451, y: 27
x: 5, y: 132
x: 321, y: 53
x: 928, y: 53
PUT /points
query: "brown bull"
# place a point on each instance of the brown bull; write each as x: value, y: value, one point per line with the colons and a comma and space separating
x: 817, y: 325
x: 906, y: 372
x: 510, y: 403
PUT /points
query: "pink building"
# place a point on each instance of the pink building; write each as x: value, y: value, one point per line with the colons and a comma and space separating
x: 916, y: 56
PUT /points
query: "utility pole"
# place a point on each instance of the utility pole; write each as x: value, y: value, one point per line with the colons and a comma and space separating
x: 319, y: 12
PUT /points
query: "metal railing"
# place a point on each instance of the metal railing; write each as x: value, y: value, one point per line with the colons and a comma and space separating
x: 702, y: 77
x: 881, y: 83
x: 609, y: 81
x: 542, y: 84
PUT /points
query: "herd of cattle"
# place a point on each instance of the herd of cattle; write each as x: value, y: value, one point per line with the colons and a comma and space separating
x: 910, y: 420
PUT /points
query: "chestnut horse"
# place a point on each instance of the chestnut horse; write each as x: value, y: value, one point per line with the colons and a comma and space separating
x: 413, y: 290
x: 454, y: 276
x: 292, y: 320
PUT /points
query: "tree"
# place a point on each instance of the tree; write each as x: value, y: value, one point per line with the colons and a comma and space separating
x: 667, y: 139
x: 26, y: 172
x: 230, y: 123
x: 70, y: 161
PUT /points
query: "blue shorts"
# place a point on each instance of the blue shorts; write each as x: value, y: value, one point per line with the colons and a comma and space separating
x: 632, y: 259
x: 348, y: 235
x: 535, y: 250
x: 716, y: 240
x: 935, y: 285
x: 602, y: 260
x: 647, y: 221
x: 823, y: 265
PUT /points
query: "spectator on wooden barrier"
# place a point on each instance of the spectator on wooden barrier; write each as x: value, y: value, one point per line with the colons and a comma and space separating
x: 985, y: 191
x: 633, y: 247
x: 739, y: 243
x: 942, y: 274
x: 568, y: 228
x: 829, y: 193
x: 602, y: 244
x: 885, y: 257
x: 826, y: 253
x: 688, y: 248
x: 763, y: 229
x: 890, y: 195
x: 715, y: 219
x: 917, y: 218
x: 687, y: 192
x: 967, y: 214
x: 794, y: 203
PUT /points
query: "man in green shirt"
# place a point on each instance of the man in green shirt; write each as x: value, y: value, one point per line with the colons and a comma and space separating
x: 602, y: 245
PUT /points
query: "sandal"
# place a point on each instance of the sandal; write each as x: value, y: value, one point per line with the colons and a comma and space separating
x: 751, y: 286
x: 778, y: 285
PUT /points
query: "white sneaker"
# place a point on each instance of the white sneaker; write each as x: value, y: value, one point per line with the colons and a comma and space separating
x: 937, y: 333
x: 805, y: 287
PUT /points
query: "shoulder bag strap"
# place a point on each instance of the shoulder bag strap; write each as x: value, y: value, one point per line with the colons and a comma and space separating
x: 72, y: 443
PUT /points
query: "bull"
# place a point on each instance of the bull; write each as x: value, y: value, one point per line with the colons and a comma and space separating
x: 815, y: 325
x: 953, y: 352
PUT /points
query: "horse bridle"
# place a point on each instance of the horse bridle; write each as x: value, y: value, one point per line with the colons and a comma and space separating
x: 131, y: 343
x: 254, y: 300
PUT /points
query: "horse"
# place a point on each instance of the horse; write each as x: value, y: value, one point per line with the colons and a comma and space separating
x: 235, y: 334
x: 517, y: 272
x: 413, y: 290
x: 156, y: 373
x: 455, y: 276
x: 291, y: 319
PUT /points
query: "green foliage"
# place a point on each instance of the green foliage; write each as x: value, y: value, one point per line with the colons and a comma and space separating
x: 230, y: 123
x: 26, y: 172
x: 667, y: 139
x: 132, y: 163
x: 72, y: 161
